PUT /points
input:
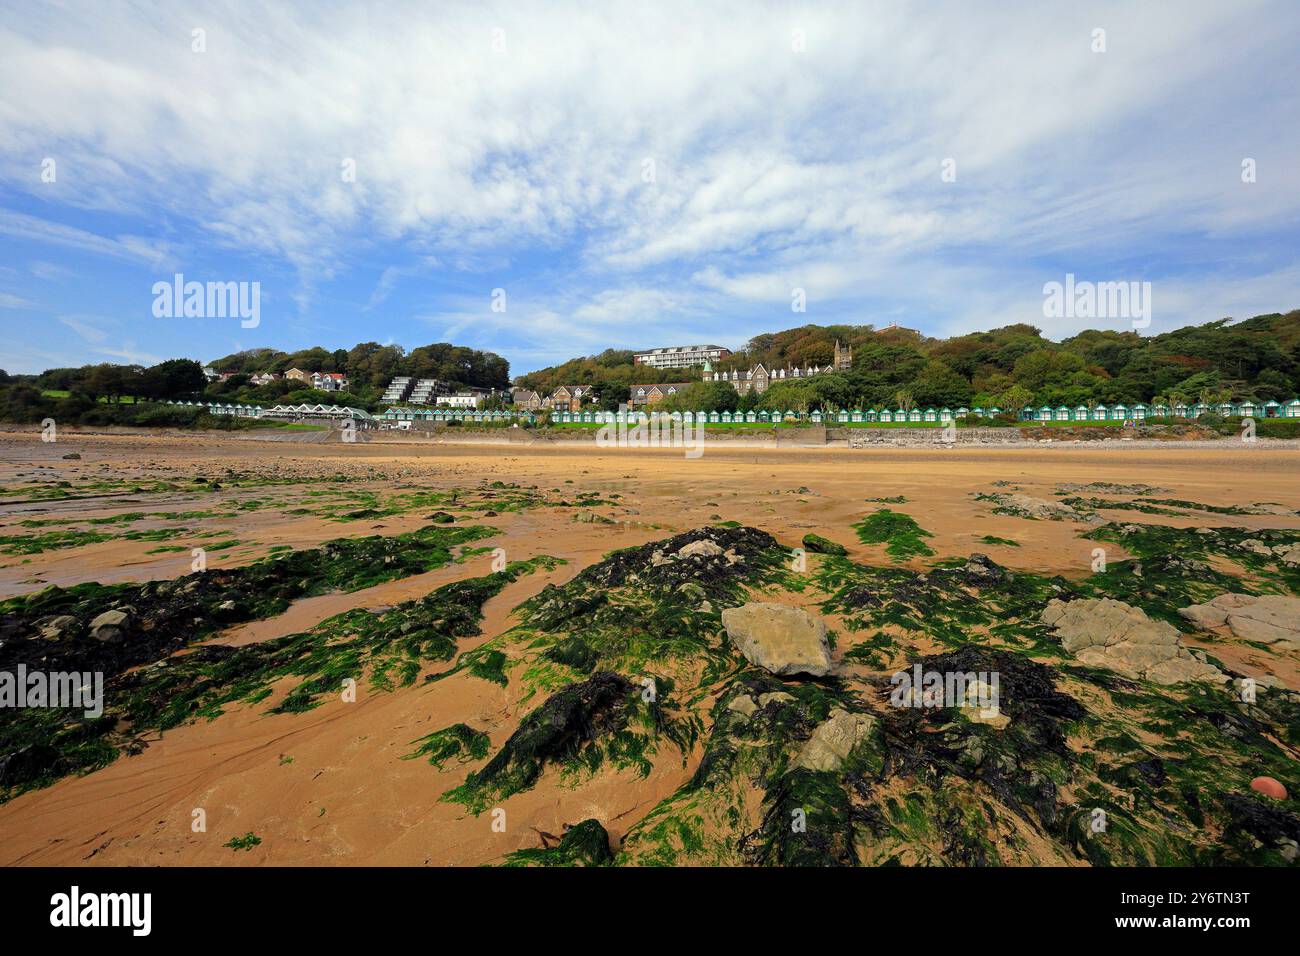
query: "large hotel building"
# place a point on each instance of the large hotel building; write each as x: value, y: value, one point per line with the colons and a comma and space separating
x: 681, y: 356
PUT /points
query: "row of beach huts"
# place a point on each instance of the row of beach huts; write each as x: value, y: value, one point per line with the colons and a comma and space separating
x: 401, y: 417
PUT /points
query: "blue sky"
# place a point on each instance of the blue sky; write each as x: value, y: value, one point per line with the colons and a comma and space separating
x: 509, y: 146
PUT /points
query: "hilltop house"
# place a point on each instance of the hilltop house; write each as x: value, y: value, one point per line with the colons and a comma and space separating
x: 298, y: 375
x: 263, y: 378
x: 759, y: 377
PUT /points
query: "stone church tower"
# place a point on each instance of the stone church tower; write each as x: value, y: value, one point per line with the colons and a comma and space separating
x: 843, y: 357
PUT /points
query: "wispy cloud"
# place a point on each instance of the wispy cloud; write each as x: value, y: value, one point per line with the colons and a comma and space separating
x: 627, y: 179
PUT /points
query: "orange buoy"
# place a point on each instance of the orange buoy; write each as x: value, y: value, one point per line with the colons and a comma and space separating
x: 1268, y: 787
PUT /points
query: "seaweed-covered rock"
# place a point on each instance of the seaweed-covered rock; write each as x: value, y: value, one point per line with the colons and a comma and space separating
x: 583, y: 844
x: 556, y: 731
x: 716, y: 558
x: 1252, y: 819
x: 819, y: 545
x: 134, y: 624
x: 983, y: 571
x: 1022, y: 505
x: 1117, y: 636
x: 781, y: 639
x: 26, y: 764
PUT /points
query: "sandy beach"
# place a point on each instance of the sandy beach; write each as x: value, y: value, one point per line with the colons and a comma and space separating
x: 328, y: 786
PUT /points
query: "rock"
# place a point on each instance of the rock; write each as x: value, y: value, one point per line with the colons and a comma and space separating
x: 703, y: 548
x: 1292, y: 557
x: 819, y: 545
x: 108, y: 626
x: 988, y: 714
x: 776, y: 696
x: 440, y: 517
x: 1027, y: 506
x: 833, y: 740
x: 1270, y: 619
x: 1268, y: 787
x: 1119, y: 637
x: 1231, y: 600
x: 981, y: 571
x: 781, y: 639
x: 1205, y: 616
x: 55, y: 628
x: 584, y: 844
x: 590, y: 517
x: 744, y: 705
x: 72, y: 456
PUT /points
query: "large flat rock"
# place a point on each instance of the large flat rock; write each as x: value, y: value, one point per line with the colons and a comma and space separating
x: 1268, y: 619
x: 1119, y: 637
x: 779, y: 638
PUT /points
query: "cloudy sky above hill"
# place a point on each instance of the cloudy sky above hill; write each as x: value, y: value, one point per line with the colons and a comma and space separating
x: 633, y: 175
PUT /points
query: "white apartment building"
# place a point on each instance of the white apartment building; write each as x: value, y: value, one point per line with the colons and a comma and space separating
x: 681, y: 356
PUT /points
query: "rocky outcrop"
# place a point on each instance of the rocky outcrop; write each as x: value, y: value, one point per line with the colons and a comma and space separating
x: 702, y: 552
x: 1270, y: 619
x: 1119, y: 637
x: 1026, y: 506
x: 781, y: 639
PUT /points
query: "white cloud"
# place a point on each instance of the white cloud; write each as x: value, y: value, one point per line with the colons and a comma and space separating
x: 84, y: 327
x: 773, y: 169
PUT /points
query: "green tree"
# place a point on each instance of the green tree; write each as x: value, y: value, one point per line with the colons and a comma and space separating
x: 1015, y: 399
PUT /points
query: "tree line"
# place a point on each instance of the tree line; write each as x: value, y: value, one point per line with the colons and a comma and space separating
x: 1012, y: 367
